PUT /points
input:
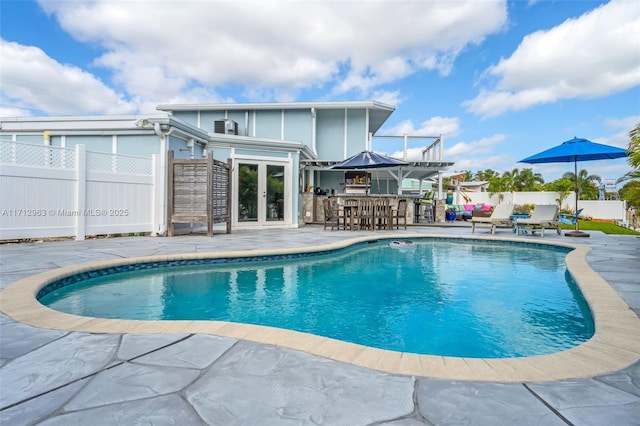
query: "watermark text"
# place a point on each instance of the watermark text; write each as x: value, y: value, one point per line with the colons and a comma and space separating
x: 64, y: 212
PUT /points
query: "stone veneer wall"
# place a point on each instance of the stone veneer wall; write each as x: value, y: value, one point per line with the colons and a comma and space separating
x: 441, y: 206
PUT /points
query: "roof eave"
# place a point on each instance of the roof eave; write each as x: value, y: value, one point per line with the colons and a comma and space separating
x: 275, y: 106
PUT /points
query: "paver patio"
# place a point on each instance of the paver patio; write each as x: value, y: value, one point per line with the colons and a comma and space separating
x: 61, y: 377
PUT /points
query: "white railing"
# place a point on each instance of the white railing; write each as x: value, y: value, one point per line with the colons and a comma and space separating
x: 118, y: 163
x: 31, y: 155
x: 58, y: 192
x: 412, y: 148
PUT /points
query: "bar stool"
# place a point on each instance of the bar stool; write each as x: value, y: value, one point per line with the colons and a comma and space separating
x: 350, y: 208
x: 428, y: 212
x: 381, y: 213
x: 366, y: 214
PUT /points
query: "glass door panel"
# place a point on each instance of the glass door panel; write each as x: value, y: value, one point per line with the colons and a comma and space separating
x: 275, y: 193
x: 261, y: 193
x: 247, y: 192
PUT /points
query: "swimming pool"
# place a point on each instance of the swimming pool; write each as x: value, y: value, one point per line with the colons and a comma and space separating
x: 439, y: 297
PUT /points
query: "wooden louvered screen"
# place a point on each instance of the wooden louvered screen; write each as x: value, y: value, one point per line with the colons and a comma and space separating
x: 199, y: 191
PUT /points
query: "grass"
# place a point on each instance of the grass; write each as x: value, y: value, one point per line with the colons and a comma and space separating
x: 607, y: 228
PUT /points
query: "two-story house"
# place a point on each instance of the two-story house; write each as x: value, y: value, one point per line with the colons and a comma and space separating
x: 277, y: 149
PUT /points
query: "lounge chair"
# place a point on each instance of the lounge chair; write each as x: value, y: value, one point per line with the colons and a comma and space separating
x: 500, y: 216
x: 543, y: 216
x: 569, y: 218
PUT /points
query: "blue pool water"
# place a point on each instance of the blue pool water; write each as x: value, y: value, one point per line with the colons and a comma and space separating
x: 440, y: 297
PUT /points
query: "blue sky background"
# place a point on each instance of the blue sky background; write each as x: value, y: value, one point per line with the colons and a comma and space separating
x: 501, y: 80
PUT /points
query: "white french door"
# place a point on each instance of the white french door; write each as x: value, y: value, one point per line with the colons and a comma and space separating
x: 263, y: 197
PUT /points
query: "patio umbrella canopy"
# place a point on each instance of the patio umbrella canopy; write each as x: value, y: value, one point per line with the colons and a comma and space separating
x: 572, y: 151
x: 368, y: 160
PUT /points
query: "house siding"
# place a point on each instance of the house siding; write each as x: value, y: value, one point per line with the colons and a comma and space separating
x: 93, y: 143
x: 141, y: 145
x: 268, y: 124
x: 298, y: 126
x: 190, y: 117
x: 34, y: 139
x: 330, y: 134
x: 356, y: 131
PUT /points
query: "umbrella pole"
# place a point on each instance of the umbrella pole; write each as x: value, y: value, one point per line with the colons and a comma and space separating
x: 577, y: 232
x: 575, y: 173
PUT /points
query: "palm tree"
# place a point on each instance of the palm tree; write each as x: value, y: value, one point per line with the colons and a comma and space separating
x: 631, y: 193
x: 631, y: 190
x: 633, y: 151
x: 632, y: 175
x: 487, y: 175
x: 634, y: 147
x: 499, y: 185
x: 509, y: 180
x: 586, y: 187
x: 562, y: 195
x: 526, y: 180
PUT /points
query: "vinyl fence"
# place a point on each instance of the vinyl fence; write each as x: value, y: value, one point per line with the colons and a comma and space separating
x: 608, y: 210
x: 60, y: 192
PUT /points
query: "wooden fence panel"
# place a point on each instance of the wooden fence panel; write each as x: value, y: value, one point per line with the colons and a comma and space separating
x: 198, y: 192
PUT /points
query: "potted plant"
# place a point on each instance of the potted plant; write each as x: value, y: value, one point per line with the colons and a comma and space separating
x: 450, y: 214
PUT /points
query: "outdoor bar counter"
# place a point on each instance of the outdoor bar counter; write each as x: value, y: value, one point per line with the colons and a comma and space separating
x: 312, y: 211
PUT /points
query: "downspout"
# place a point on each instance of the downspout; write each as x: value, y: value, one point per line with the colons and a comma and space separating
x: 309, y: 175
x: 164, y: 148
x: 368, y: 143
x: 313, y: 130
x: 345, y: 141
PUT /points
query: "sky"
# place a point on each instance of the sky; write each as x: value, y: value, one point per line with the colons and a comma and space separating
x: 501, y: 80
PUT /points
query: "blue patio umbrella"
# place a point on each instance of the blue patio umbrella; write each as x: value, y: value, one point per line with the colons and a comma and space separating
x: 572, y: 151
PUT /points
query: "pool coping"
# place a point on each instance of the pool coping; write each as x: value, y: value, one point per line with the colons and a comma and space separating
x: 614, y: 346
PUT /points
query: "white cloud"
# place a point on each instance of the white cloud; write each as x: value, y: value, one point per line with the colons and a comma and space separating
x: 164, y: 47
x: 493, y: 162
x: 388, y: 97
x: 36, y: 82
x: 467, y: 155
x: 479, y: 155
x: 623, y: 127
x: 475, y: 148
x: 447, y: 126
x: 591, y: 56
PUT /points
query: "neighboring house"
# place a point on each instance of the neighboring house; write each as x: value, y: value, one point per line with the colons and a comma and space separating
x: 277, y: 149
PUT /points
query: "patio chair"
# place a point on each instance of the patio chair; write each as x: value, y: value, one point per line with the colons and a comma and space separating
x: 543, y: 216
x: 350, y: 211
x: 366, y: 214
x: 425, y: 204
x: 501, y: 215
x: 381, y: 213
x: 331, y: 213
x: 569, y: 218
x: 398, y: 214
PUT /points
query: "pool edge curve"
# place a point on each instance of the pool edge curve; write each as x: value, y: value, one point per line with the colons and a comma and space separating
x: 614, y: 345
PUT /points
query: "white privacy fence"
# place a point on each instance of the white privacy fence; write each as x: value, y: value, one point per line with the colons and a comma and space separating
x: 58, y: 192
x: 609, y: 210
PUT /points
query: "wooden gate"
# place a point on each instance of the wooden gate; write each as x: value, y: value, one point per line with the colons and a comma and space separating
x: 199, y: 191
